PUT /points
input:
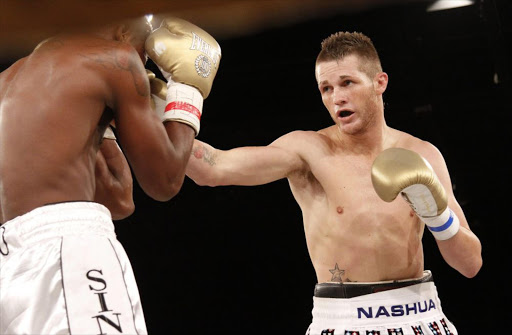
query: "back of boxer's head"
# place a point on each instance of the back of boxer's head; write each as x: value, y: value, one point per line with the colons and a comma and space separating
x: 342, y: 44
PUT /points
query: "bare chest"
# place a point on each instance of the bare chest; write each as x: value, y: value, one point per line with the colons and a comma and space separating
x: 347, y: 225
x: 339, y: 193
x: 345, y: 181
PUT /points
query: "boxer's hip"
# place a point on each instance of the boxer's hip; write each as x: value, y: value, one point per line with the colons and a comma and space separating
x: 54, y: 220
x: 60, y: 265
x: 401, y: 305
x: 356, y: 289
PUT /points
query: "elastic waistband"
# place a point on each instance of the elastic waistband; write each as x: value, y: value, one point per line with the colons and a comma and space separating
x: 61, y: 219
x: 406, y: 304
x: 351, y: 290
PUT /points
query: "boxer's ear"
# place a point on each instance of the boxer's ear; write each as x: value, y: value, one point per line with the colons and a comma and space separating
x: 121, y: 33
x: 381, y: 82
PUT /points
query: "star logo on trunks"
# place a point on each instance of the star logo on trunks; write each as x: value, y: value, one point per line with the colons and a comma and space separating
x: 328, y: 332
x: 336, y: 273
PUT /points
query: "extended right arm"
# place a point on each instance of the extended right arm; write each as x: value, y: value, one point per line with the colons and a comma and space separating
x: 246, y: 166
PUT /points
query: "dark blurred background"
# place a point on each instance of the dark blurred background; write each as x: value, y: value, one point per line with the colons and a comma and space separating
x: 233, y: 260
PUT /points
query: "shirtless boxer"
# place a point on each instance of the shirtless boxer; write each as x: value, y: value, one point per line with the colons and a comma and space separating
x: 114, y: 183
x: 62, y: 269
x: 367, y: 253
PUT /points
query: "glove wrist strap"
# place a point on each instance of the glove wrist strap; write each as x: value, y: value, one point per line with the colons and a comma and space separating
x: 184, y: 104
x: 443, y: 226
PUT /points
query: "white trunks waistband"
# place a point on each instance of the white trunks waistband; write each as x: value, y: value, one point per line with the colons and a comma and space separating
x: 67, y: 218
x: 400, y: 305
x: 355, y: 289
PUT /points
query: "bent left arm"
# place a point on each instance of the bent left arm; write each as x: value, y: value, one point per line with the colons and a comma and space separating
x: 421, y: 176
x: 463, y: 251
x: 114, y: 183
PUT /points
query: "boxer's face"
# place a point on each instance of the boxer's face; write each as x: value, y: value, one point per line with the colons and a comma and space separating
x: 348, y: 93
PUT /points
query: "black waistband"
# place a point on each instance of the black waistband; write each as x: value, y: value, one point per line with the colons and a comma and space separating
x: 351, y: 290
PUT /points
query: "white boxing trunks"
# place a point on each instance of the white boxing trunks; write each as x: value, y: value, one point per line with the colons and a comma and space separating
x: 62, y: 271
x: 407, y: 310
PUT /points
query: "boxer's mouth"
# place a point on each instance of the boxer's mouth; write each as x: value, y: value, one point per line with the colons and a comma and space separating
x: 343, y: 114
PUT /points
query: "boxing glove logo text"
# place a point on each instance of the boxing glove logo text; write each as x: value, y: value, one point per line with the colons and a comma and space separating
x: 105, y: 316
x: 203, y: 62
x: 201, y: 45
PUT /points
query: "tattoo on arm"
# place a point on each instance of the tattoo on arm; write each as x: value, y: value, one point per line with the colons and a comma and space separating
x: 336, y: 274
x: 199, y: 151
x: 124, y: 60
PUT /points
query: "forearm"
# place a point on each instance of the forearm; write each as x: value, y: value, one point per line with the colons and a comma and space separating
x: 114, y: 183
x: 181, y: 137
x: 244, y: 166
x: 463, y: 252
x: 201, y: 167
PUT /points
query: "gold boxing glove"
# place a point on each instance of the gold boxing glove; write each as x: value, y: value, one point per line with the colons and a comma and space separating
x: 188, y: 57
x: 401, y: 171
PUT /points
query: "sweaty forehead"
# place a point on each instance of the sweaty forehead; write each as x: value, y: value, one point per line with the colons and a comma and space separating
x: 331, y: 70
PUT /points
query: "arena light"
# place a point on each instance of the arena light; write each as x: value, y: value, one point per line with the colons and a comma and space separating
x: 447, y: 4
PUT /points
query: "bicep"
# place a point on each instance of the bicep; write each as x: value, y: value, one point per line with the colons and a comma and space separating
x: 259, y: 165
x: 242, y: 166
x: 131, y: 99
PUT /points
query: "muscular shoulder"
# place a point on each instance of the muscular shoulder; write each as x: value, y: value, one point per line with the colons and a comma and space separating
x: 129, y: 67
x: 426, y: 149
x: 7, y: 75
x: 303, y: 142
x: 111, y: 55
x: 303, y: 148
x: 119, y: 66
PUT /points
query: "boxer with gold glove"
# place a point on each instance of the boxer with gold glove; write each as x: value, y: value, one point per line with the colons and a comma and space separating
x: 403, y: 171
x: 188, y: 57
